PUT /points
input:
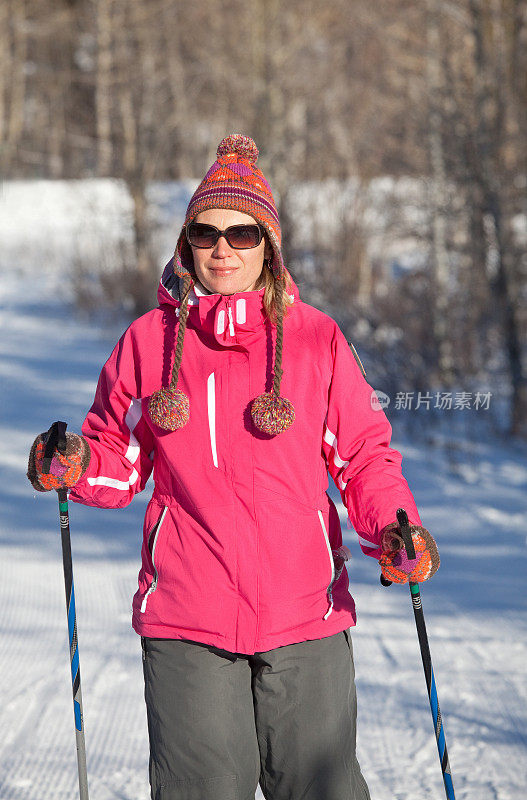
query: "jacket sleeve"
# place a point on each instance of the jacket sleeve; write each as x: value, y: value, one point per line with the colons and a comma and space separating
x: 121, y: 442
x: 357, y: 449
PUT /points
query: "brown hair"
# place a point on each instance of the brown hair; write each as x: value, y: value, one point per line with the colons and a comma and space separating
x: 277, y: 290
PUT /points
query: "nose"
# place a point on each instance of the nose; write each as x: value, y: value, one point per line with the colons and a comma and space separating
x: 222, y: 248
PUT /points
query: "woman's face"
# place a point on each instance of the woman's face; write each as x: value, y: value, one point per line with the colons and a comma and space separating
x: 222, y: 269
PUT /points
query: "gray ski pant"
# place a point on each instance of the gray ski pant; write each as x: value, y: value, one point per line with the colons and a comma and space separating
x: 219, y: 722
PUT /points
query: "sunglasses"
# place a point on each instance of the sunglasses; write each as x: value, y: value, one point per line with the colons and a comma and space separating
x: 239, y: 237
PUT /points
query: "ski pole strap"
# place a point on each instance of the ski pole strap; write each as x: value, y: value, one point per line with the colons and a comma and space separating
x: 56, y: 440
x: 404, y: 527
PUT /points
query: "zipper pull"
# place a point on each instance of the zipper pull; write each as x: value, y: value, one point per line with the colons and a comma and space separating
x: 231, y: 320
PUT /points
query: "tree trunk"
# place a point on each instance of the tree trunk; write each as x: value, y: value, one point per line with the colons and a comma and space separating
x: 5, y: 47
x: 57, y: 132
x: 489, y: 146
x: 15, y: 119
x: 103, y: 88
x: 438, y: 192
x: 179, y: 117
x: 501, y: 286
x: 134, y: 158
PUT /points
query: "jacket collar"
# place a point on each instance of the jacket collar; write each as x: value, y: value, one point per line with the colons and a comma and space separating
x: 229, y: 318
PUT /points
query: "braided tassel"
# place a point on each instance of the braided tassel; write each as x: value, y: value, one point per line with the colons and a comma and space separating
x: 270, y: 412
x: 169, y: 407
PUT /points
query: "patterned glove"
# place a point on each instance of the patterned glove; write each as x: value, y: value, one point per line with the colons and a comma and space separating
x: 395, y: 564
x: 65, y: 470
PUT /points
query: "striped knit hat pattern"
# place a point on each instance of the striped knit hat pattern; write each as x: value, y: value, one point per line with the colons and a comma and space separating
x: 233, y: 182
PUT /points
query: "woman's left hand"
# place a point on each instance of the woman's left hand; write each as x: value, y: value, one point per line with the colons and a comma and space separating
x: 395, y: 564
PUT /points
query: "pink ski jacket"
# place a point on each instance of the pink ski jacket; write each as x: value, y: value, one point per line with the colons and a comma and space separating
x: 239, y: 532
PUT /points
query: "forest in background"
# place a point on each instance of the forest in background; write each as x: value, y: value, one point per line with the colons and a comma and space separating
x: 340, y: 97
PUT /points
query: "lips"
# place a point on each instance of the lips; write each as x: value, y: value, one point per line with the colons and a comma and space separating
x: 221, y: 270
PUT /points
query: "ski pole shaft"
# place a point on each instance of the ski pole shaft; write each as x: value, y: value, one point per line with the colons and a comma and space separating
x: 402, y: 519
x: 432, y: 691
x: 56, y: 440
x: 74, y: 652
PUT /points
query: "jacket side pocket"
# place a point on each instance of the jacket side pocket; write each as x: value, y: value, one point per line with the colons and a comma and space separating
x: 152, y: 543
x: 329, y: 592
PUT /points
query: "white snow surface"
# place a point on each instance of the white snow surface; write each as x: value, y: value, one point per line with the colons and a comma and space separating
x: 475, y: 606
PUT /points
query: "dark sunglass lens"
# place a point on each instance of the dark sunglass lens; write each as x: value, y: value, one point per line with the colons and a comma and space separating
x: 243, y: 236
x: 201, y: 235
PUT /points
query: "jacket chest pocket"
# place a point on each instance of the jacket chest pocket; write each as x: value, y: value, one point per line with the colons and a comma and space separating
x: 153, y: 539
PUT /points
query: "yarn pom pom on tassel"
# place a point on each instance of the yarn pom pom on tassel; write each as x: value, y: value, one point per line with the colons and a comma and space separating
x: 272, y: 414
x: 169, y: 408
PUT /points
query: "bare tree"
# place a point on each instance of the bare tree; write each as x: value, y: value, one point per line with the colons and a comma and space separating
x: 495, y: 53
x: 15, y: 12
x: 103, y: 92
x: 436, y: 82
x: 5, y: 64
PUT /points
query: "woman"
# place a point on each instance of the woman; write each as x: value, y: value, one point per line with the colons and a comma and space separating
x: 240, y: 398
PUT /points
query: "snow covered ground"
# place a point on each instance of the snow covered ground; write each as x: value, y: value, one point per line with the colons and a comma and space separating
x: 475, y: 606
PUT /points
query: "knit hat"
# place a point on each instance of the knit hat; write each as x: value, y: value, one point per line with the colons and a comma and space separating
x: 233, y: 182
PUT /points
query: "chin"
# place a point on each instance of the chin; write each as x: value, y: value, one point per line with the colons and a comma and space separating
x: 228, y: 287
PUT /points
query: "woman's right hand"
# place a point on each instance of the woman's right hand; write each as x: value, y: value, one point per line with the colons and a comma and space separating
x: 394, y: 561
x: 65, y: 469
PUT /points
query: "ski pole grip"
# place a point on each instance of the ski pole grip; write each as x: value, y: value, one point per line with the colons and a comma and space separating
x: 404, y: 527
x: 56, y: 440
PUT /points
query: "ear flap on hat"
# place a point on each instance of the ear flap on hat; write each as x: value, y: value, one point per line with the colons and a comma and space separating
x: 183, y: 259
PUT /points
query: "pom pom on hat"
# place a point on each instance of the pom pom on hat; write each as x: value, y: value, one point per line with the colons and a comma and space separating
x: 169, y: 408
x: 244, y: 146
x: 272, y: 414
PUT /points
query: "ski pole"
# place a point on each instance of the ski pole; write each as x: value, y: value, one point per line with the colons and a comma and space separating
x: 57, y: 439
x: 404, y: 527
